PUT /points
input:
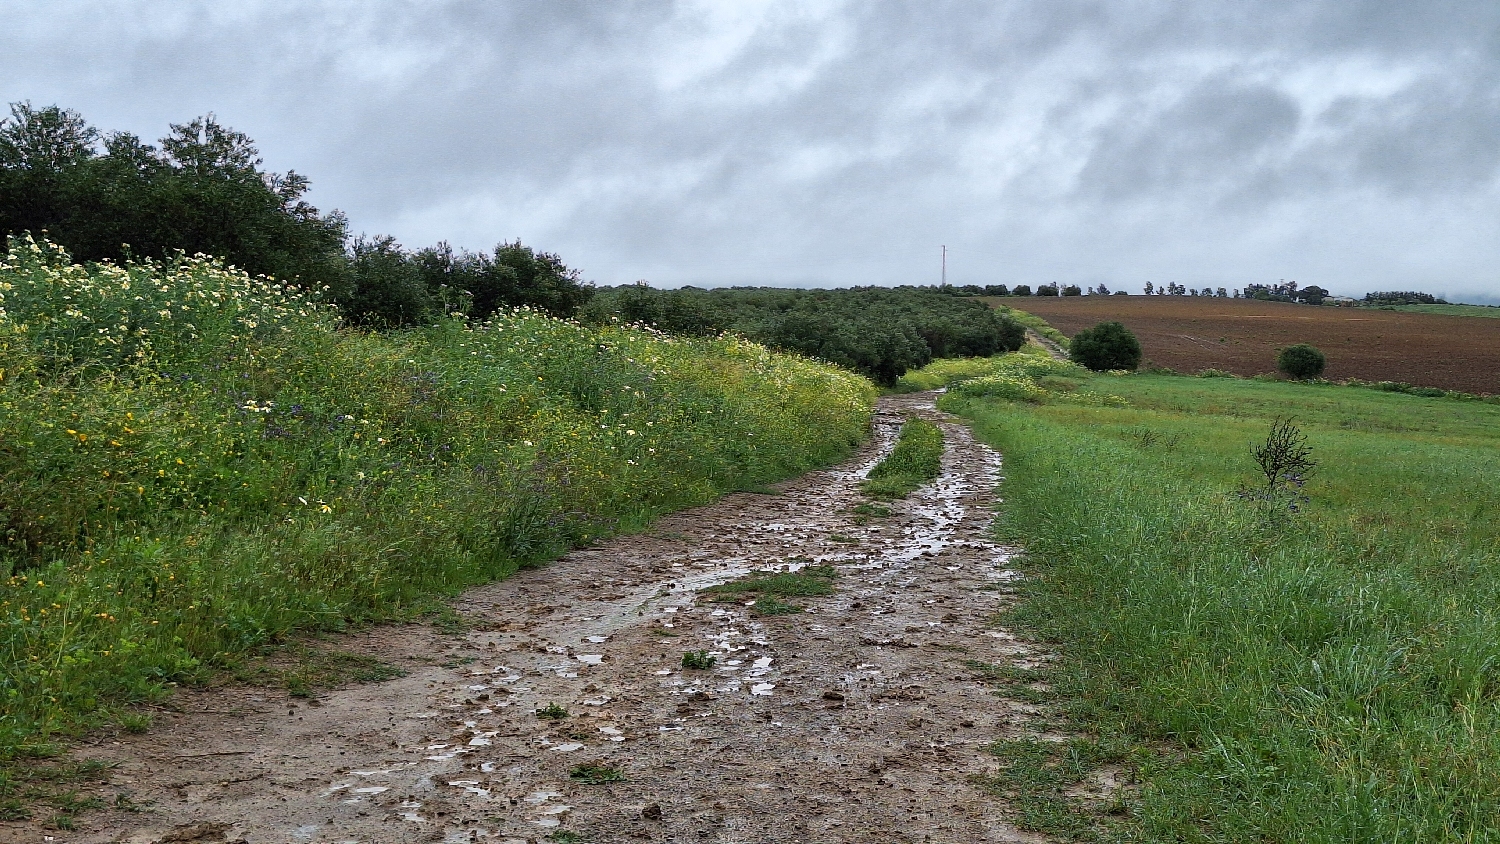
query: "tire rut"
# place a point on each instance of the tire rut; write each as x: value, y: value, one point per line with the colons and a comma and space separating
x: 858, y: 719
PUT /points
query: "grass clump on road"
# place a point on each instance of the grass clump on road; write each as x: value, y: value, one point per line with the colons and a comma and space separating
x: 916, y: 460
x: 767, y: 588
x: 699, y: 660
x: 1323, y: 673
x: 195, y: 463
x: 595, y: 774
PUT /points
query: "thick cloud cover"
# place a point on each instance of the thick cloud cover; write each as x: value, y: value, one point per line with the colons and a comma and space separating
x: 1349, y: 143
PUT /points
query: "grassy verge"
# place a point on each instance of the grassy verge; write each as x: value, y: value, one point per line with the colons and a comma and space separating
x: 194, y: 463
x: 1325, y: 675
x: 916, y: 459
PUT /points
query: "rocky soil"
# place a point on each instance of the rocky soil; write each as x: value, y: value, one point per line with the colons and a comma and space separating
x: 863, y: 718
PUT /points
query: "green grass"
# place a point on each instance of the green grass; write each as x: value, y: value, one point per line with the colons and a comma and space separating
x: 195, y: 464
x: 698, y: 660
x: 1491, y: 311
x: 802, y: 583
x: 916, y: 460
x: 1329, y: 675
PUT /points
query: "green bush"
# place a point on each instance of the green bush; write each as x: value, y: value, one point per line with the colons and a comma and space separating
x: 879, y: 332
x: 1106, y: 346
x: 1301, y: 361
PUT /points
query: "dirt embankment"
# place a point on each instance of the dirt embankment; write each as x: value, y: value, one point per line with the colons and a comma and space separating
x: 860, y: 719
x: 1190, y: 334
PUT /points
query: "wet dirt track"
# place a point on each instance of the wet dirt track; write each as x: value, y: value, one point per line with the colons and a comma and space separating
x: 856, y: 720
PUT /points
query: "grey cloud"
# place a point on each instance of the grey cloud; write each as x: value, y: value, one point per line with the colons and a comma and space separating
x: 1348, y: 142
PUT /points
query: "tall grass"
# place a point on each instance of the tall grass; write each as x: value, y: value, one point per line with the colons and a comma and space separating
x: 194, y: 462
x: 1330, y: 675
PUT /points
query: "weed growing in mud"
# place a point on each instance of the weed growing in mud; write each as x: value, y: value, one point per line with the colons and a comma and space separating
x: 552, y: 711
x: 594, y: 773
x: 24, y: 787
x: 916, y: 460
x: 768, y: 605
x: 303, y: 670
x: 698, y: 659
x: 135, y: 722
x: 805, y: 582
x: 866, y: 511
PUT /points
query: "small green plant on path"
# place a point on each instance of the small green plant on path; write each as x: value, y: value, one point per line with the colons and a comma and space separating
x: 768, y: 587
x: 552, y: 711
x: 916, y: 460
x: 767, y: 605
x: 698, y: 659
x: 595, y: 773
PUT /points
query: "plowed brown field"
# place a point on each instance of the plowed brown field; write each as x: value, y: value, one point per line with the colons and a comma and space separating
x: 1242, y: 336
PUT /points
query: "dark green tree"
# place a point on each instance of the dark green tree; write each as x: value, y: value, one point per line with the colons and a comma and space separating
x: 1106, y: 346
x: 106, y: 198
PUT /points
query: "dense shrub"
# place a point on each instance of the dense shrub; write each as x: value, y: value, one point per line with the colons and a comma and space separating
x: 878, y: 331
x: 1021, y: 290
x: 1106, y: 346
x: 1301, y: 361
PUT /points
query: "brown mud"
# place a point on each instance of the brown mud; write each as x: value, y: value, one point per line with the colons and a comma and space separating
x: 856, y: 720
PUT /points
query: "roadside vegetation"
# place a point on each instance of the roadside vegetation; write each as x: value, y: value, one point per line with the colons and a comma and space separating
x: 1316, y: 663
x: 194, y: 463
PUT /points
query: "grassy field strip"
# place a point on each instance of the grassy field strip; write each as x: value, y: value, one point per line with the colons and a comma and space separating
x: 916, y: 459
x: 194, y: 463
x: 1330, y: 674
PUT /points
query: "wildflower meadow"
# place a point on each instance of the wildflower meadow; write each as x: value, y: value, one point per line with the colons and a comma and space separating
x: 195, y: 462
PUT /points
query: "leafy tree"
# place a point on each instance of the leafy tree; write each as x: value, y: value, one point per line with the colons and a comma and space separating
x: 110, y: 197
x: 1021, y: 290
x: 386, y: 289
x: 1301, y: 361
x: 1106, y: 346
x: 1047, y: 290
x: 1072, y: 290
x: 996, y: 290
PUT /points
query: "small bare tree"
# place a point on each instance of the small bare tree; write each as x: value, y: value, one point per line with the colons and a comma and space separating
x: 1285, y: 460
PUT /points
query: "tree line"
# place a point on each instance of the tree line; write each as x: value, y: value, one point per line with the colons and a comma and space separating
x: 878, y: 331
x: 203, y: 188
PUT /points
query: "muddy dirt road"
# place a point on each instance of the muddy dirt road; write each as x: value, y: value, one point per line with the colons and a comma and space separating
x: 857, y: 720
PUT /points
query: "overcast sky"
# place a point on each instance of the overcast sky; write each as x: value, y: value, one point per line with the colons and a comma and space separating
x: 1352, y: 144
